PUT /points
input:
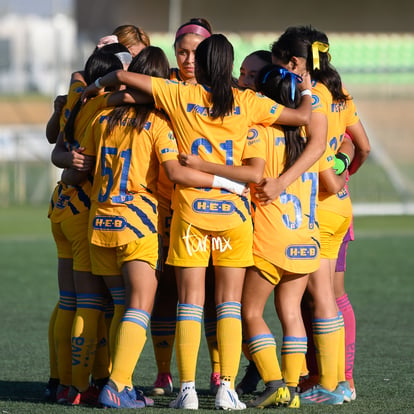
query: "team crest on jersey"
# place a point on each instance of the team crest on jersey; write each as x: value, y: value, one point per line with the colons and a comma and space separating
x: 204, y: 205
x: 109, y: 223
x: 301, y: 251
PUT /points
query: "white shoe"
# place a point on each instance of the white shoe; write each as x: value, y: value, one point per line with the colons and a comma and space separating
x: 227, y: 399
x: 186, y: 399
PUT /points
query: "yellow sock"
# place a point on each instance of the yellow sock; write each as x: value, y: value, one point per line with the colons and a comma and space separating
x: 262, y: 348
x: 341, y: 349
x: 85, y: 338
x: 187, y: 341
x: 128, y: 346
x: 210, y: 330
x: 326, y: 339
x: 102, y: 365
x: 53, y: 368
x: 293, y: 357
x: 62, y: 335
x: 229, y: 338
x: 163, y: 335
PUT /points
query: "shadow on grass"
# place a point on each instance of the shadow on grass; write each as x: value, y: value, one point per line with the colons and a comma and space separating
x: 22, y: 391
x: 33, y: 392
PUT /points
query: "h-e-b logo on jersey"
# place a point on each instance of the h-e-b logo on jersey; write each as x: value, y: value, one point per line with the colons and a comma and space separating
x: 112, y: 223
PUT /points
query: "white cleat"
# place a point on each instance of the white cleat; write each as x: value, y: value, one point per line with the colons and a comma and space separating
x: 227, y: 399
x: 186, y: 400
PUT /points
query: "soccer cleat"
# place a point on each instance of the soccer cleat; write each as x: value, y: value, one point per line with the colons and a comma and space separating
x: 344, y: 388
x: 163, y: 385
x: 62, y: 394
x: 149, y: 402
x: 320, y: 395
x: 214, y: 382
x: 187, y: 399
x: 294, y: 398
x: 250, y: 380
x: 127, y: 398
x: 74, y: 396
x: 49, y: 394
x: 227, y: 399
x: 275, y: 393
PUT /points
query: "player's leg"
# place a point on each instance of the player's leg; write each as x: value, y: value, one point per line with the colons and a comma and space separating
x: 259, y: 284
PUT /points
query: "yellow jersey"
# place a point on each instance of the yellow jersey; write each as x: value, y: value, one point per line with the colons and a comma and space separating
x: 216, y: 140
x: 123, y: 197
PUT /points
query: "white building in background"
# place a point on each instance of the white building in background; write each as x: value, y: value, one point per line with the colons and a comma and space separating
x: 37, y: 52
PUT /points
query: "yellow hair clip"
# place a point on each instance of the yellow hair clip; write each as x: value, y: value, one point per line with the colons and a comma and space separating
x: 316, y: 48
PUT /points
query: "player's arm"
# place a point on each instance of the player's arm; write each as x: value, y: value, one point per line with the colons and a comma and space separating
x: 362, y: 146
x: 70, y: 176
x: 329, y: 179
x: 53, y: 125
x: 302, y: 115
x: 250, y: 172
x: 185, y: 176
x: 270, y: 188
x: 63, y: 158
x: 120, y: 77
x: 344, y: 156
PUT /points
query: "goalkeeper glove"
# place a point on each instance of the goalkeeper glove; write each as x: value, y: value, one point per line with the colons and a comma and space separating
x: 342, y: 162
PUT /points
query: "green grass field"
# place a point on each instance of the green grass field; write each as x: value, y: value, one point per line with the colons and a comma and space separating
x: 379, y: 284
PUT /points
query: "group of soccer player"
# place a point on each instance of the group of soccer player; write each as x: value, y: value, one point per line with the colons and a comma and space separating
x: 188, y: 196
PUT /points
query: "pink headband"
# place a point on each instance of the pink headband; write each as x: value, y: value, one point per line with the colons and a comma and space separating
x: 192, y: 28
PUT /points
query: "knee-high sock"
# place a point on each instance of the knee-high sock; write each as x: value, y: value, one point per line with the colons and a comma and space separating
x: 341, y: 348
x: 118, y: 299
x: 85, y: 338
x: 53, y: 368
x: 326, y: 338
x: 62, y: 335
x: 229, y: 339
x: 102, y: 365
x: 262, y: 349
x: 163, y: 335
x: 347, y: 311
x: 128, y: 346
x: 187, y: 340
x: 293, y: 355
x: 210, y: 331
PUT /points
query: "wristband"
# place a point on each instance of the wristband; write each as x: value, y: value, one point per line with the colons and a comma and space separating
x: 306, y: 92
x: 342, y: 162
x: 230, y: 185
x: 98, y: 83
